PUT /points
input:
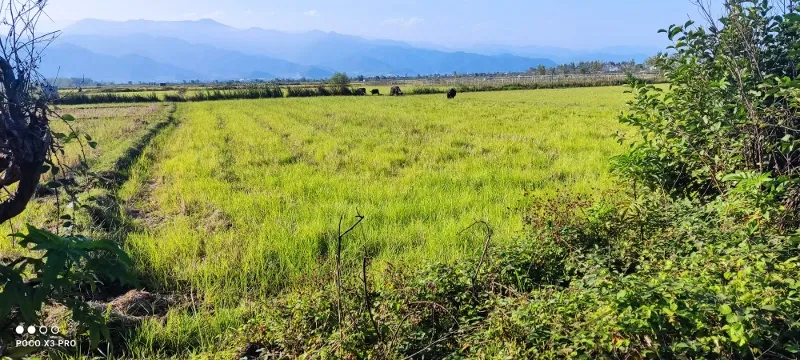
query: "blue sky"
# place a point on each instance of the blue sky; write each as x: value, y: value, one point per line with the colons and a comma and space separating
x: 575, y: 24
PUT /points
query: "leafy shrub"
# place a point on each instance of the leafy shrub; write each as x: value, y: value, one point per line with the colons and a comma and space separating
x: 426, y: 91
x: 339, y: 79
x: 299, y: 91
x: 679, y: 279
x: 251, y: 92
x: 222, y: 93
x: 730, y: 111
x: 66, y: 263
x: 81, y: 98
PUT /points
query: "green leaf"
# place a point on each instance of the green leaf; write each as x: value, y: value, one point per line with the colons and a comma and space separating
x: 93, y: 144
x: 792, y: 17
x: 674, y: 31
x: 725, y: 309
x: 106, y: 245
x: 67, y: 117
x: 769, y: 308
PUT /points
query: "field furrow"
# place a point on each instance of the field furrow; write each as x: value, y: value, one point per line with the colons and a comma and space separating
x: 250, y: 193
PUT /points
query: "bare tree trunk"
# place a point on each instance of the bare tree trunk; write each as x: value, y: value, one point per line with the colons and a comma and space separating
x: 25, y: 138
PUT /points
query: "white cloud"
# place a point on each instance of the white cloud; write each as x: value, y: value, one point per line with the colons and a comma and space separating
x: 404, y: 22
x: 311, y: 13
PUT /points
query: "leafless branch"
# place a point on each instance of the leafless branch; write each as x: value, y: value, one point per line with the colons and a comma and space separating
x: 483, y: 253
x: 25, y: 137
x: 368, y: 300
x: 339, y: 238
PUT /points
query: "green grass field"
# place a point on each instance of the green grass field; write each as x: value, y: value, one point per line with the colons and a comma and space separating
x: 238, y: 200
x: 116, y: 128
x: 244, y: 197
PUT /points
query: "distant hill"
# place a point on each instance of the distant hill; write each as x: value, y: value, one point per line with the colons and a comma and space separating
x: 213, y: 63
x: 562, y: 56
x: 66, y: 60
x: 210, y: 50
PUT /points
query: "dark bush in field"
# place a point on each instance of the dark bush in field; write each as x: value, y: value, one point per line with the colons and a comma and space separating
x: 426, y: 91
x: 297, y: 91
x: 79, y: 98
x: 561, y: 83
x: 252, y: 92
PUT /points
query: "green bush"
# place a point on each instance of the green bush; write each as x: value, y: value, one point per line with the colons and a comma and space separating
x: 427, y: 91
x: 730, y: 112
x: 299, y: 91
x: 250, y: 92
x: 77, y: 98
x: 678, y: 279
x: 339, y: 79
x: 66, y: 263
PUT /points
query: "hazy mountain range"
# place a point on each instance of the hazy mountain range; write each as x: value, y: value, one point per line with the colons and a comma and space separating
x: 562, y: 56
x: 144, y: 50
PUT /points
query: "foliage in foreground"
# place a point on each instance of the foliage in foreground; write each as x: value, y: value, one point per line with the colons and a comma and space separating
x: 54, y: 275
x: 730, y: 115
x: 57, y: 277
x: 653, y: 277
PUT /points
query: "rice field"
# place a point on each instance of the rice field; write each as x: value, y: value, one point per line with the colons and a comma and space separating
x: 231, y: 202
x: 116, y: 128
x: 244, y: 197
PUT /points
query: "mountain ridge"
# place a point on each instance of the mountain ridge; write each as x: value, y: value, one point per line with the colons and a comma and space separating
x: 210, y: 50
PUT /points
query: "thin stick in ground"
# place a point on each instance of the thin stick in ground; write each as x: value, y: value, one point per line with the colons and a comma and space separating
x: 368, y: 300
x: 339, y: 238
x: 483, y: 253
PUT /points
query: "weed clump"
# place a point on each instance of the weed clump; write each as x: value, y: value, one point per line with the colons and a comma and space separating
x: 680, y: 279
